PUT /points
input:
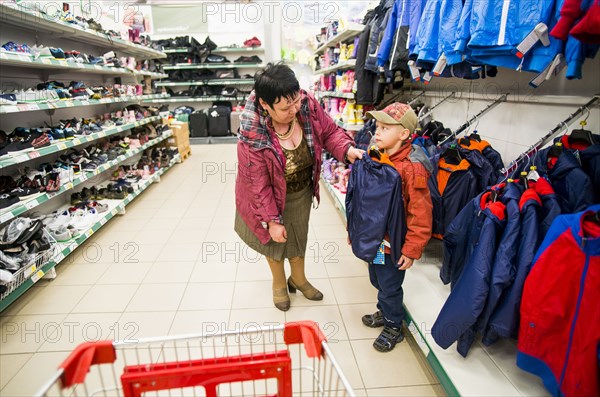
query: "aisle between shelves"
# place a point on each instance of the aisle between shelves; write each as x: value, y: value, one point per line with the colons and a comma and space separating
x: 17, y: 209
x: 33, y: 273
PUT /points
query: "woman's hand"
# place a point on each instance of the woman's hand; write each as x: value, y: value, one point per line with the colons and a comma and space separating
x: 354, y: 154
x: 277, y: 232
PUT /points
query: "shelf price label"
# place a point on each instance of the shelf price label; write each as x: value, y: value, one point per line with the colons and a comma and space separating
x: 69, y: 186
x: 34, y: 155
x: 29, y: 271
x: 114, y: 212
x: 47, y: 61
x: 103, y: 221
x: 76, y: 141
x: 59, y: 257
x: 62, y: 146
x: 37, y: 276
x: 22, y: 158
x: 89, y: 233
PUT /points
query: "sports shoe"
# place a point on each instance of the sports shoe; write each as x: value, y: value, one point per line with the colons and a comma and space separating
x: 41, y: 52
x: 374, y: 320
x: 388, y: 338
x: 8, y: 99
x: 253, y: 42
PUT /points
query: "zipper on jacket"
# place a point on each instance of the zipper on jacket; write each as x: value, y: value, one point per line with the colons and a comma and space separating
x: 397, y: 33
x: 503, y: 22
x: 577, y: 307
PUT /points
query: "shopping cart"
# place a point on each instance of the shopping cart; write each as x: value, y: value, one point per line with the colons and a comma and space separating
x: 254, y: 361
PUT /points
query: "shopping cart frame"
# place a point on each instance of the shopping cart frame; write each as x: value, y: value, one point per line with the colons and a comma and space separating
x: 209, y: 373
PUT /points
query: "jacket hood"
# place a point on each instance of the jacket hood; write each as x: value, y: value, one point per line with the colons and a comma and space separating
x: 497, y: 208
x: 512, y: 191
x: 529, y: 197
x: 579, y: 224
x: 566, y: 163
x: 419, y: 155
x: 542, y: 187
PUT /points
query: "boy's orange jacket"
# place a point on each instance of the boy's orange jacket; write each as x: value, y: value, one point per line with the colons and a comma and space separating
x: 417, y: 201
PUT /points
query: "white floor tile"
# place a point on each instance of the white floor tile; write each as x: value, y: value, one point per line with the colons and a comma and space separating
x: 347, y: 266
x: 352, y: 314
x: 136, y: 325
x: 204, y: 272
x: 206, y: 322
x: 25, y: 334
x: 169, y: 272
x: 156, y: 297
x: 354, y: 290
x: 408, y: 391
x: 207, y: 296
x: 125, y: 273
x: 106, y: 299
x: 242, y: 319
x: 328, y: 319
x: 179, y: 253
x: 81, y: 274
x: 56, y: 299
x: 10, y: 365
x: 34, y: 374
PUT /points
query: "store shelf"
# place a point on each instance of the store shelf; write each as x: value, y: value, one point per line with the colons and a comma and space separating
x: 490, y: 371
x: 349, y: 127
x: 206, y: 82
x: 152, y: 75
x: 34, y: 274
x: 180, y: 50
x: 63, y: 104
x: 29, y: 154
x: 194, y: 66
x: 349, y: 64
x: 239, y: 49
x: 353, y: 30
x: 213, y: 98
x: 24, y: 206
x: 346, y: 95
x: 21, y: 16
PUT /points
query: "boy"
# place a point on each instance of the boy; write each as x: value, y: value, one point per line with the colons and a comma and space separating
x: 395, y: 126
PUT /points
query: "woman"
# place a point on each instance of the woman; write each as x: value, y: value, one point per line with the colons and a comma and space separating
x: 282, y: 135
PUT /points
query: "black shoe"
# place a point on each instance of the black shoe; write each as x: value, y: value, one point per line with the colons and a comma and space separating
x: 374, y: 320
x: 388, y: 338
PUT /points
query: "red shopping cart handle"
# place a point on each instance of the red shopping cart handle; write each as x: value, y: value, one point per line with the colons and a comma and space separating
x: 78, y: 364
x: 306, y: 332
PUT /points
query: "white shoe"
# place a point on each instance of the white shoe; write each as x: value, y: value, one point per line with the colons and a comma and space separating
x: 41, y: 52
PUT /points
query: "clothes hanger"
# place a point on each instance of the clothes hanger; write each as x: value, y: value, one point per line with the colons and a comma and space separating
x: 582, y: 135
x: 557, y: 149
x: 475, y: 135
x: 533, y: 175
x: 452, y: 155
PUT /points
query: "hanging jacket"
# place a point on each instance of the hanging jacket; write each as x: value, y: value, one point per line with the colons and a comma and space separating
x: 374, y: 208
x: 483, y: 169
x: 460, y: 239
x: 590, y: 161
x: 451, y: 187
x: 542, y: 56
x: 416, y: 14
x: 572, y: 185
x: 378, y: 24
x: 427, y: 49
x: 570, y: 12
x: 260, y: 189
x: 559, y: 336
x: 450, y: 13
x: 505, y: 261
x: 463, y: 32
x: 393, y: 49
x: 365, y: 79
x: 467, y: 299
x: 587, y: 29
x: 537, y: 210
x: 497, y: 27
x: 576, y: 53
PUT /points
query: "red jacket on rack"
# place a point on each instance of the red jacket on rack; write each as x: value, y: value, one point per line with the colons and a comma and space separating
x: 559, y: 334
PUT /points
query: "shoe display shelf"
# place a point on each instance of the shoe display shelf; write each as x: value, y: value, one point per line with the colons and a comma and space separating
x: 349, y: 64
x: 487, y: 371
x: 205, y: 82
x: 192, y: 66
x: 29, y: 154
x: 351, y: 31
x: 185, y: 50
x: 334, y: 94
x: 17, y: 209
x: 20, y: 15
x: 349, y: 127
x: 34, y: 272
x: 212, y: 98
x: 73, y: 103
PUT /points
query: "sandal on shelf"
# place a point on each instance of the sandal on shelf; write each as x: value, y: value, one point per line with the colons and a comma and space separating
x: 374, y: 320
x: 388, y: 338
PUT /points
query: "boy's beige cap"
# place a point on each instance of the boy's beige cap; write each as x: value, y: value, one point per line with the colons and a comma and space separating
x: 397, y: 113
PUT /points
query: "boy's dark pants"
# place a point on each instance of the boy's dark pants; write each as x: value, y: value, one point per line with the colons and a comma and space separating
x: 388, y: 280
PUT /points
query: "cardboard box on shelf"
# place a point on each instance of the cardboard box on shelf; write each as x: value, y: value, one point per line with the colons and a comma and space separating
x: 181, y: 136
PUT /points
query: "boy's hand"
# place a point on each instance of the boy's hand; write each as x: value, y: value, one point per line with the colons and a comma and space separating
x: 348, y: 238
x: 354, y: 154
x: 405, y: 263
x: 277, y: 232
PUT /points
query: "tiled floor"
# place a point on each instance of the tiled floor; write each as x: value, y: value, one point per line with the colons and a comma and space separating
x: 174, y: 265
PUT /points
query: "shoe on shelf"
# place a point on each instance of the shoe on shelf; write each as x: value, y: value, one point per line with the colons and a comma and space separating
x: 8, y: 99
x: 253, y: 42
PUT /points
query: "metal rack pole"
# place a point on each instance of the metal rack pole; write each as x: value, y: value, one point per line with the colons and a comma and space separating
x: 546, y: 138
x: 452, y: 94
x: 415, y: 98
x: 475, y: 118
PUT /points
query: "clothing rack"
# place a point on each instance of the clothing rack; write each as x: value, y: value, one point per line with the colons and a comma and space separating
x: 546, y: 138
x: 414, y: 100
x: 466, y: 125
x: 452, y: 94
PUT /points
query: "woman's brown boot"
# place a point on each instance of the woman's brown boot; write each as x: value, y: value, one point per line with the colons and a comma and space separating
x: 281, y: 299
x: 307, y: 290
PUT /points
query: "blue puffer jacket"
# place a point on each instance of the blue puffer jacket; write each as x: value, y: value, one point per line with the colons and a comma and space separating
x: 416, y: 14
x: 463, y: 32
x: 503, y: 271
x: 450, y: 13
x: 427, y: 49
x: 393, y: 47
x: 497, y: 27
x: 374, y: 207
x: 467, y: 299
x: 378, y: 25
x: 538, y: 211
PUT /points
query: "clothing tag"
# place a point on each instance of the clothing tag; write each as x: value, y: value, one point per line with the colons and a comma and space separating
x: 540, y: 32
x: 440, y: 65
x: 414, y: 71
x: 380, y: 257
x: 427, y: 77
x: 556, y: 66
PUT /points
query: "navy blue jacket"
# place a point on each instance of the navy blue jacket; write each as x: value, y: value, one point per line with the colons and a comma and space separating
x: 590, y: 163
x: 374, y: 207
x: 378, y: 25
x: 503, y: 271
x: 483, y: 169
x: 467, y: 299
x: 536, y: 216
x: 572, y: 185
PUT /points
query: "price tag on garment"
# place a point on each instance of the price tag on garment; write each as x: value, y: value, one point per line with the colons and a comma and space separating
x: 62, y: 146
x: 89, y: 233
x: 23, y: 106
x: 37, y: 276
x: 440, y: 65
x: 29, y: 271
x: 34, y: 155
x: 414, y: 71
x: 427, y: 77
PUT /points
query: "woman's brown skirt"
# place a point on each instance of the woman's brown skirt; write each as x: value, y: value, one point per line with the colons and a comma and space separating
x: 295, y: 219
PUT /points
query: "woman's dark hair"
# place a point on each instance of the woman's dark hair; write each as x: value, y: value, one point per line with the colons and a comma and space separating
x: 274, y: 82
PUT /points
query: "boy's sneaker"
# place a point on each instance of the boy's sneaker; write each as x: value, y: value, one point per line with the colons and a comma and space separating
x: 388, y: 338
x: 374, y: 320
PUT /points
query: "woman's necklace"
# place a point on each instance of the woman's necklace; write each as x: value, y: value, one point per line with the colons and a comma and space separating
x: 289, y: 133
